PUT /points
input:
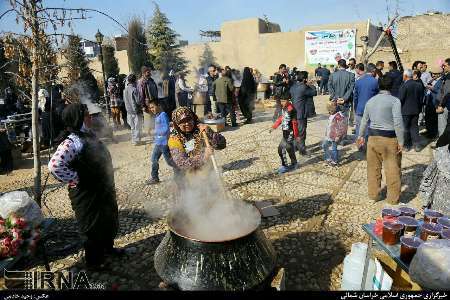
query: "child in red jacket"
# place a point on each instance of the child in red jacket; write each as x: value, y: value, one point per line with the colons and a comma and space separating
x: 288, y: 122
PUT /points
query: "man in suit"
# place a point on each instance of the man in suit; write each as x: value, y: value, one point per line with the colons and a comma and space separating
x: 300, y: 92
x: 411, y: 96
x: 365, y: 88
x: 324, y: 77
x: 340, y: 86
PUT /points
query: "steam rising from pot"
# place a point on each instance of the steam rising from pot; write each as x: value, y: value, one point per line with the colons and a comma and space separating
x: 206, y: 212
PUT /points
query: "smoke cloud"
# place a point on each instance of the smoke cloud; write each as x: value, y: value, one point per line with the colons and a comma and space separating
x: 80, y: 92
x: 205, y: 210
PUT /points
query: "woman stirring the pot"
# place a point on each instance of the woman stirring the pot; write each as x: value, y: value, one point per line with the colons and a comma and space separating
x: 187, y: 144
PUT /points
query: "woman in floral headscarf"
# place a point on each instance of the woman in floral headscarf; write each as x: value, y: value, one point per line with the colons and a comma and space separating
x: 186, y: 143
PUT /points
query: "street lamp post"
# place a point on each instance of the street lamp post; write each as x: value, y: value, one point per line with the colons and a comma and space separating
x: 99, y: 39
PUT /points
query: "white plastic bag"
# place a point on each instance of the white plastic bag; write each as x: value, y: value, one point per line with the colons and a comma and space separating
x: 381, y: 280
x: 20, y: 203
x: 430, y: 267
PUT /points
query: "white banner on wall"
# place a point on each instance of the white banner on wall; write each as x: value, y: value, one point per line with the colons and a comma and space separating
x: 329, y: 46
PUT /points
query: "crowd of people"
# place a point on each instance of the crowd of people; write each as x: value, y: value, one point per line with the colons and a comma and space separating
x: 15, y: 122
x: 224, y: 90
x: 386, y: 109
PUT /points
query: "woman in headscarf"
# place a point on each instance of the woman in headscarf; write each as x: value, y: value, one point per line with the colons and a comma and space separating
x: 247, y: 94
x: 114, y: 101
x: 186, y: 141
x: 6, y: 159
x: 435, y: 187
x: 85, y: 163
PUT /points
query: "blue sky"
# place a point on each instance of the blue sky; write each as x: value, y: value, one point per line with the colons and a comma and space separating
x: 190, y: 16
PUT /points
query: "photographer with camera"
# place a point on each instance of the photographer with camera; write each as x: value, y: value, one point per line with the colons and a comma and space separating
x: 282, y: 83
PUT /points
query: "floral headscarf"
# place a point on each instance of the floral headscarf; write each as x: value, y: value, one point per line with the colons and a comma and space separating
x: 183, y: 114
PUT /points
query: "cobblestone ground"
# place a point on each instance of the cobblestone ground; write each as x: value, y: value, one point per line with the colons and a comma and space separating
x: 321, y: 207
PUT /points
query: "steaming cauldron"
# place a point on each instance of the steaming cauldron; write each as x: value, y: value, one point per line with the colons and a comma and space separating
x: 241, y: 263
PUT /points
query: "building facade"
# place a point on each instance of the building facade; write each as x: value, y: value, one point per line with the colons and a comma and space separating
x: 262, y: 45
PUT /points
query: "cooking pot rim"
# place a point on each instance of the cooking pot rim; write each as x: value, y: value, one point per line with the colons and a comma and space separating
x: 174, y: 230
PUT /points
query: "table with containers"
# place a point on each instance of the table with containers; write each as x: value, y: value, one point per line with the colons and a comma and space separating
x: 399, y: 233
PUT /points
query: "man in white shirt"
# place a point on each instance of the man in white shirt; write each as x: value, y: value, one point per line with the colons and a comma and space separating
x: 352, y: 68
x: 425, y: 76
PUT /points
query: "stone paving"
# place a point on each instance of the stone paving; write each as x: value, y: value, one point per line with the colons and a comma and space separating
x: 321, y: 208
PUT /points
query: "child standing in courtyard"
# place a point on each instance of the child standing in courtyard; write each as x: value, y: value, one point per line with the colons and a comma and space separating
x: 288, y: 122
x: 335, y: 132
x: 160, y: 147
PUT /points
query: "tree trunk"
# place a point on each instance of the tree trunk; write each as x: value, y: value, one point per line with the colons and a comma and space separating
x: 34, y: 105
x: 36, y: 137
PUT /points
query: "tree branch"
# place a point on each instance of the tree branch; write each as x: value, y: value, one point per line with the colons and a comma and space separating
x: 8, y: 62
x: 17, y: 75
x: 14, y: 33
x: 7, y: 12
x: 24, y: 94
x: 86, y: 10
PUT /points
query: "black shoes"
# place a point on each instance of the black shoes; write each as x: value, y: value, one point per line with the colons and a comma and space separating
x: 304, y: 153
x: 97, y: 267
x: 116, y: 252
x: 152, y: 181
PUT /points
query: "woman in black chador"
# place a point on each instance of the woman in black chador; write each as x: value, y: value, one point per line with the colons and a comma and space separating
x: 85, y: 163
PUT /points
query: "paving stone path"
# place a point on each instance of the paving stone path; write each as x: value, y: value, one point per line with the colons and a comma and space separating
x: 321, y: 208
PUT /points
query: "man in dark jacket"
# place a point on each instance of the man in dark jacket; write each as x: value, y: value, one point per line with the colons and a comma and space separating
x: 396, y: 77
x: 300, y: 92
x: 443, y: 97
x: 318, y: 74
x: 211, y: 107
x: 6, y: 159
x: 148, y: 91
x: 341, y: 86
x: 324, y: 77
x: 411, y: 96
x: 147, y: 88
x: 281, y: 84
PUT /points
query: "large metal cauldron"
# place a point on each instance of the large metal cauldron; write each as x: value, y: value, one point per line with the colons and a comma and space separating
x: 242, y: 263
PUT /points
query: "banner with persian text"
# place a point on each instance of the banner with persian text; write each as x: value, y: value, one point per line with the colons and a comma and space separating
x: 329, y: 46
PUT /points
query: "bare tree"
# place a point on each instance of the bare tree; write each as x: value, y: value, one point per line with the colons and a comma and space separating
x: 40, y: 27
